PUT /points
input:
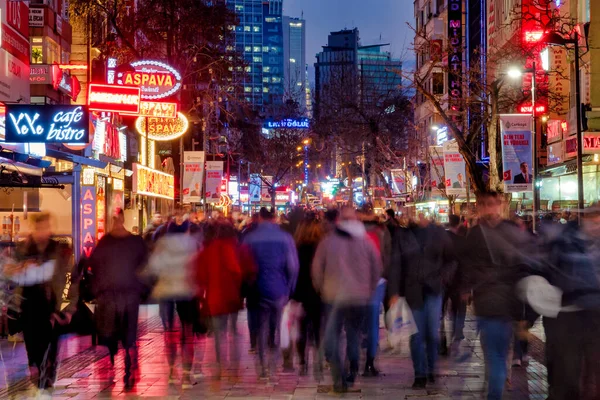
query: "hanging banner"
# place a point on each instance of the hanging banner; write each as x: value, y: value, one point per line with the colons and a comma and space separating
x: 214, y: 175
x: 516, y: 153
x: 193, y: 174
x: 398, y: 181
x: 454, y: 170
x: 436, y: 166
x: 254, y: 188
x: 265, y: 195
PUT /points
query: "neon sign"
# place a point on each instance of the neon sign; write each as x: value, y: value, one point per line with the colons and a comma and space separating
x: 162, y: 129
x: 455, y: 53
x: 88, y: 222
x: 150, y: 182
x: 47, y: 124
x: 533, y: 36
x: 159, y: 109
x: 114, y: 98
x: 156, y: 80
x: 301, y: 123
x: 45, y: 75
x: 539, y: 109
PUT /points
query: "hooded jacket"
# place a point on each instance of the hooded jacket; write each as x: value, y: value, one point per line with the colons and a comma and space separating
x: 347, y: 267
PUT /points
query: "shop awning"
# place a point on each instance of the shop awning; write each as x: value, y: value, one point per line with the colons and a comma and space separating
x: 61, y: 155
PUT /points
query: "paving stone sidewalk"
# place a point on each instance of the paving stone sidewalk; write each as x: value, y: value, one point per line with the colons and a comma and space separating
x: 85, y: 372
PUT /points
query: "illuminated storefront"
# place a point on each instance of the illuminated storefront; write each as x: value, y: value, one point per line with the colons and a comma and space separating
x: 152, y: 192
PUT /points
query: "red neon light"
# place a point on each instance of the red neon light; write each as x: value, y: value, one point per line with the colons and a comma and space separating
x: 533, y: 36
x: 73, y: 66
x: 115, y: 98
x: 158, y: 109
x: 528, y: 109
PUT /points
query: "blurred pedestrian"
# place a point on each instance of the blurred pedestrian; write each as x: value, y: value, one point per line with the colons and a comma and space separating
x: 117, y: 264
x: 40, y: 271
x: 346, y: 270
x: 222, y: 267
x: 391, y: 221
x: 274, y: 252
x: 572, y: 345
x: 422, y: 264
x: 150, y: 229
x: 308, y: 236
x: 171, y: 265
x: 498, y: 255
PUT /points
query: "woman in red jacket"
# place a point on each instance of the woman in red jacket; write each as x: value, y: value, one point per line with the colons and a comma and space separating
x: 222, y: 268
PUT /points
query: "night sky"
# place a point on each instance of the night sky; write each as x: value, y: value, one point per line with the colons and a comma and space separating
x: 373, y: 18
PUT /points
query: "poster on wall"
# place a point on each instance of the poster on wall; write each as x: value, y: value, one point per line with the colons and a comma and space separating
x: 516, y: 153
x: 454, y: 169
x: 193, y: 174
x: 254, y: 188
x: 398, y: 181
x: 214, y: 175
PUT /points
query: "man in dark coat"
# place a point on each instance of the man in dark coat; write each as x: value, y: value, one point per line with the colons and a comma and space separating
x: 422, y: 261
x: 117, y: 263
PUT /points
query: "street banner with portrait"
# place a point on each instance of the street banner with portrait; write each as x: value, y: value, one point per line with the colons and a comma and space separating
x: 436, y: 166
x: 254, y: 187
x: 454, y: 170
x: 265, y: 194
x: 214, y: 176
x: 193, y: 174
x: 516, y: 153
x: 398, y: 181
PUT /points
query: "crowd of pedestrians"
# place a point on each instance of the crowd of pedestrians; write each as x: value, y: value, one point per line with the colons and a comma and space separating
x: 341, y: 268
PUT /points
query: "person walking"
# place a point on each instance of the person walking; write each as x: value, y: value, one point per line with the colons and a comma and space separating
x: 308, y: 236
x: 40, y: 271
x: 117, y: 264
x: 422, y: 262
x: 499, y: 254
x: 572, y: 346
x: 276, y: 258
x: 346, y: 270
x: 222, y: 267
x: 171, y: 266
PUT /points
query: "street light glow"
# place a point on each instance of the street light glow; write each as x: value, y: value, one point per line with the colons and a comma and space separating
x: 514, y: 72
x: 434, y: 127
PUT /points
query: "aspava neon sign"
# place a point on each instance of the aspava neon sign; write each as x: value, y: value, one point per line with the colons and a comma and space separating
x: 46, y: 124
x: 156, y: 80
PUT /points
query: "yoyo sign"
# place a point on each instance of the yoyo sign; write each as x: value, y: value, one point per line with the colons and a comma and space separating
x: 156, y: 79
x: 47, y: 124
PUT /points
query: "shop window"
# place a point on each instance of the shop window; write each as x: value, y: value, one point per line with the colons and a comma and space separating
x: 52, y: 51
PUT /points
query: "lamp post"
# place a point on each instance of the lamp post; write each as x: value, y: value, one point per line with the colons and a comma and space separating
x: 556, y: 39
x: 516, y: 73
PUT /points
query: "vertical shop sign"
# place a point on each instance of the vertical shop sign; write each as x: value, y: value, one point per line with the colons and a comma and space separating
x: 454, y: 169
x: 455, y: 50
x: 88, y: 222
x: 214, y: 175
x: 101, y: 207
x: 516, y: 153
x: 193, y: 174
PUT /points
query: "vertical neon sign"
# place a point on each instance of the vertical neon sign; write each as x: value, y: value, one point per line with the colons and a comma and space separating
x: 88, y: 228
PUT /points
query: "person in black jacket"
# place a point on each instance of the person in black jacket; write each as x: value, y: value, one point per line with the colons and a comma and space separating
x: 422, y: 261
x: 307, y: 237
x: 498, y: 255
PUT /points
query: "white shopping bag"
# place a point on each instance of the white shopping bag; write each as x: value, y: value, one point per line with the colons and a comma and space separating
x: 401, y: 323
x: 290, y: 324
x: 284, y: 328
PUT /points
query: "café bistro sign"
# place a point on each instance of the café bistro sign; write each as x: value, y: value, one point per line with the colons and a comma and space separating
x: 46, y: 124
x: 150, y: 182
x: 156, y: 79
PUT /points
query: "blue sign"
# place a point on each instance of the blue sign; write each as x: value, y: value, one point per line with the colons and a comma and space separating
x: 46, y: 124
x: 289, y: 123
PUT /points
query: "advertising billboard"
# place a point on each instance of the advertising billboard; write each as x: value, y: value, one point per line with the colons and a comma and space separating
x: 454, y: 170
x: 214, y: 175
x: 193, y: 175
x: 517, y: 153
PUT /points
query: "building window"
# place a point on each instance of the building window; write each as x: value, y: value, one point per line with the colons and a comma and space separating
x: 248, y: 68
x: 438, y: 83
x: 257, y: 49
x: 267, y: 69
x: 37, y: 53
x: 247, y: 29
x: 248, y: 49
x: 265, y: 80
x: 247, y: 89
x: 256, y: 29
x: 257, y: 59
x: 265, y: 90
x: 276, y: 79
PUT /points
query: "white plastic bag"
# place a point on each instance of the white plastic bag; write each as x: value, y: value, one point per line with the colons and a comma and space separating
x: 401, y: 323
x: 284, y: 329
x: 289, y: 331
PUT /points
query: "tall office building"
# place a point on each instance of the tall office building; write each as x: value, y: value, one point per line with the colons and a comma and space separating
x: 294, y: 61
x: 259, y: 38
x: 346, y: 69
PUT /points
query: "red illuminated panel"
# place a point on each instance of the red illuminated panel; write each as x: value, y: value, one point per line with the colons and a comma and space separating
x: 539, y: 109
x: 158, y: 109
x: 533, y: 36
x: 125, y: 99
x: 73, y: 66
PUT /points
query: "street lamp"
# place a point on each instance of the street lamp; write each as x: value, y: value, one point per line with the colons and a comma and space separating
x: 516, y: 73
x: 556, y: 39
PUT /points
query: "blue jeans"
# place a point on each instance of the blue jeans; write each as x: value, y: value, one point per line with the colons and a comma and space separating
x: 269, y: 320
x: 424, y: 344
x: 351, y: 318
x: 496, y: 335
x: 372, y: 320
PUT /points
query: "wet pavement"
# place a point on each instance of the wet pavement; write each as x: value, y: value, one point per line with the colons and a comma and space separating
x: 85, y: 372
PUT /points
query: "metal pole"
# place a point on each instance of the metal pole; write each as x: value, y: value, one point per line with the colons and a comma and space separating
x: 76, y: 211
x: 249, y: 209
x: 181, y: 160
x: 580, y: 199
x: 535, y: 206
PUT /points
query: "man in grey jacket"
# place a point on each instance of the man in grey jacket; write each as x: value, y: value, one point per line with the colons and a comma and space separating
x: 345, y: 270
